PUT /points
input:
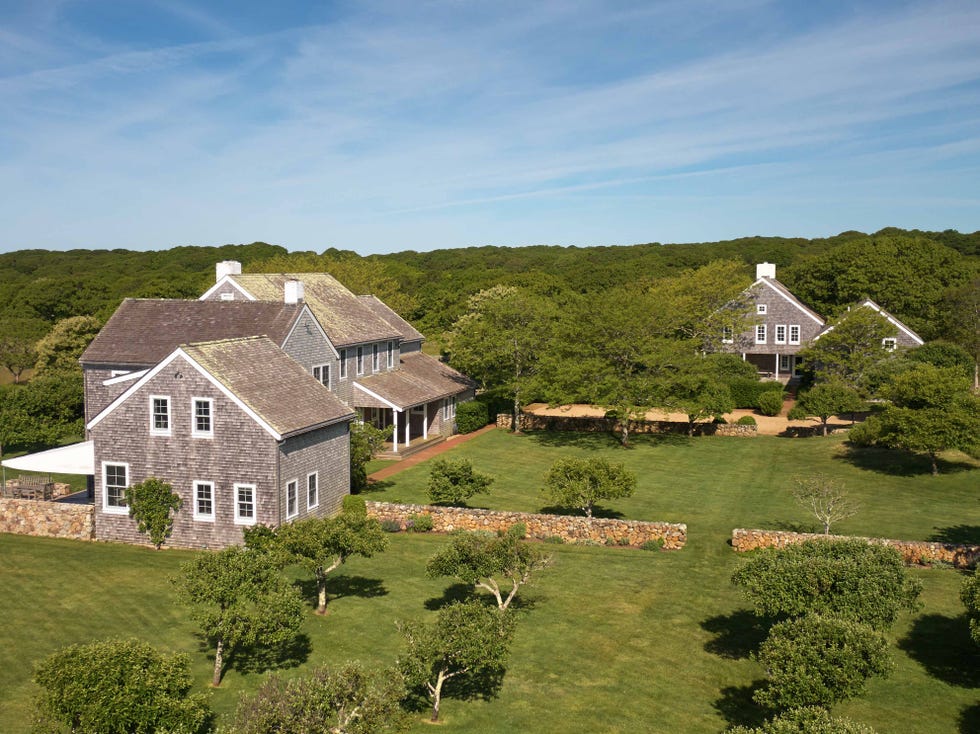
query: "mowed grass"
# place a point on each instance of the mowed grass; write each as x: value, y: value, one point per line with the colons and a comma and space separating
x: 610, y: 640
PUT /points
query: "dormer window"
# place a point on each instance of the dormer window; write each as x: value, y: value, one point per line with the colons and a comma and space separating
x: 761, y: 308
x: 202, y: 419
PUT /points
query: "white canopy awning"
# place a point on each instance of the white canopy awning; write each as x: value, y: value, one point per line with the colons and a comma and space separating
x: 76, y: 458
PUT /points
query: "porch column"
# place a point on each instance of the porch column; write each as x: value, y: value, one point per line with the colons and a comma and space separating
x: 394, y: 433
x: 425, y: 422
x: 777, y: 368
x: 408, y: 427
x: 743, y: 356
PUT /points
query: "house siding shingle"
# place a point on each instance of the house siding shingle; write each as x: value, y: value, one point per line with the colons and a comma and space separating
x: 325, y: 451
x: 240, y: 452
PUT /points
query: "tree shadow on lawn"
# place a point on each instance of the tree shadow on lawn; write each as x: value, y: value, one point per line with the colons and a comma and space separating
x: 958, y: 534
x: 737, y: 706
x: 375, y: 486
x: 484, y: 685
x: 463, y: 592
x: 942, y: 645
x: 896, y: 462
x: 737, y: 634
x: 260, y: 657
x: 597, y: 511
x: 342, y: 585
x: 969, y: 719
x: 599, y: 441
x: 792, y: 527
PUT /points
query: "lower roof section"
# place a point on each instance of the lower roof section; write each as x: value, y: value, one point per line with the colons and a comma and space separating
x: 420, y: 379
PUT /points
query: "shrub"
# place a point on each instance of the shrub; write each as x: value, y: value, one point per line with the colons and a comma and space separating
x: 152, y: 503
x: 864, y: 434
x: 517, y: 530
x: 771, y: 402
x: 354, y: 506
x: 746, y: 391
x: 582, y: 482
x: 819, y: 661
x: 118, y: 686
x: 471, y: 416
x: 453, y: 481
x: 746, y: 420
x: 970, y: 596
x: 420, y: 523
x: 391, y: 526
x: 555, y: 540
x: 806, y: 720
x: 653, y: 545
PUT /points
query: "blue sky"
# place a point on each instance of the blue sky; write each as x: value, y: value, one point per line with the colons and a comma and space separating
x: 387, y: 126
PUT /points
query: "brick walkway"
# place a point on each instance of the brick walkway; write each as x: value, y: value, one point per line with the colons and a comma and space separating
x: 428, y: 453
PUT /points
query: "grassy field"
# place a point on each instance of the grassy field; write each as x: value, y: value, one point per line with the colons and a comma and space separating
x: 611, y: 640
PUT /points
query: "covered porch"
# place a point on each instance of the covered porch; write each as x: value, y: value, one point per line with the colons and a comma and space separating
x: 413, y: 428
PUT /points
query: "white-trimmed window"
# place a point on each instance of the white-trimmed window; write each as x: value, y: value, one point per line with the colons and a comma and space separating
x: 375, y: 357
x: 449, y: 409
x: 322, y: 373
x: 343, y: 364
x: 312, y: 491
x: 794, y: 334
x: 780, y: 336
x: 292, y: 498
x: 727, y: 337
x: 204, y: 501
x: 760, y: 334
x: 391, y: 355
x: 159, y: 415
x: 889, y: 343
x: 115, y: 479
x: 761, y: 308
x: 202, y: 417
x: 244, y: 504
x: 227, y: 296
x: 784, y: 363
x: 360, y: 360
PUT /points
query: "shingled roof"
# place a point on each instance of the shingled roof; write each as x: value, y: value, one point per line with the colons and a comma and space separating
x: 420, y: 379
x: 143, y: 331
x: 270, y: 383
x: 345, y: 318
x: 408, y: 332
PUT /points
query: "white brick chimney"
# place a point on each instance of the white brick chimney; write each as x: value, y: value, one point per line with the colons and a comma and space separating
x: 294, y: 291
x: 765, y: 270
x: 227, y: 267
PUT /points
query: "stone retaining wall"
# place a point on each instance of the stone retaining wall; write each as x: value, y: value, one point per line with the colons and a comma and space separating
x: 608, y: 425
x: 913, y: 552
x: 49, y: 519
x: 570, y: 529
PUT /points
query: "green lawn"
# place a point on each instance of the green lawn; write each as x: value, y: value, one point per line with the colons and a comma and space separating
x: 611, y: 640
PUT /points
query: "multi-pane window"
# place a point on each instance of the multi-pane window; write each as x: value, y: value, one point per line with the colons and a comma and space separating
x: 784, y: 363
x: 449, y: 410
x: 761, y: 308
x: 375, y: 362
x: 203, y: 419
x: 292, y: 499
x: 343, y: 364
x: 360, y: 360
x: 726, y: 335
x: 322, y: 373
x: 760, y: 334
x: 160, y: 415
x: 312, y: 491
x: 114, y: 480
x: 203, y: 501
x: 391, y: 355
x: 245, y: 504
x: 780, y: 334
x: 794, y: 334
x: 890, y: 343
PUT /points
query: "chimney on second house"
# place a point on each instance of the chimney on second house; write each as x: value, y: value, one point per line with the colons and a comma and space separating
x: 765, y: 270
x: 227, y: 267
x: 294, y: 291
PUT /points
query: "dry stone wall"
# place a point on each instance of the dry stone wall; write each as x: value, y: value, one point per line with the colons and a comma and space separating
x: 570, y: 529
x: 608, y: 425
x: 913, y: 552
x: 49, y: 519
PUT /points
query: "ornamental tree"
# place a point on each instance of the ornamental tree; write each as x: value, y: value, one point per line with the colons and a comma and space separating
x: 817, y: 660
x: 343, y: 700
x: 583, y: 482
x: 117, y: 687
x: 826, y: 399
x: 365, y: 442
x: 59, y: 350
x: 152, y: 503
x: 849, y: 578
x: 806, y: 720
x: 453, y: 481
x: 323, y: 544
x: 238, y: 598
x: 489, y: 562
x: 826, y: 499
x: 970, y: 596
x: 467, y: 639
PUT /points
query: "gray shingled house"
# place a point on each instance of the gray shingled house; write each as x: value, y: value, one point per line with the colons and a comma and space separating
x: 243, y: 403
x: 783, y: 325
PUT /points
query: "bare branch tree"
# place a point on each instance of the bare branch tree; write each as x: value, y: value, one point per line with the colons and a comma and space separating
x: 826, y: 499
